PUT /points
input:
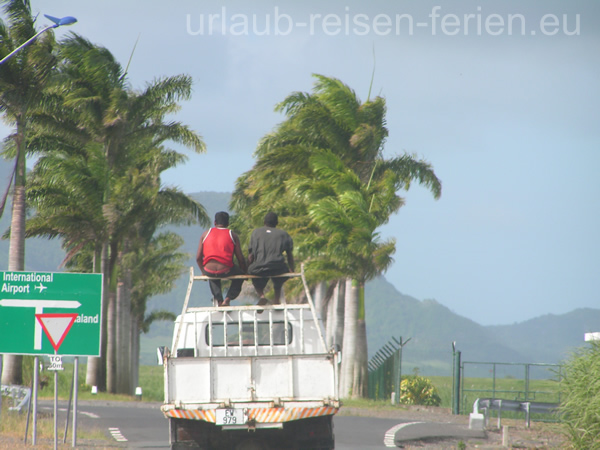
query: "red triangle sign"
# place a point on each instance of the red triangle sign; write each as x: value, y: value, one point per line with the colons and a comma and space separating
x: 56, y: 326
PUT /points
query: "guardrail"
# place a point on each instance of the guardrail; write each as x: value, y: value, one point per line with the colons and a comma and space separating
x: 20, y: 396
x: 520, y: 382
x: 528, y: 407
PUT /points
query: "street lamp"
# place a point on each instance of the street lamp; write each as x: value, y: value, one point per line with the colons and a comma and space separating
x: 57, y: 23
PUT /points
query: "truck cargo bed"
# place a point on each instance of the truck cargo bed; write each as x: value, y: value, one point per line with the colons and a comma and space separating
x: 249, y: 366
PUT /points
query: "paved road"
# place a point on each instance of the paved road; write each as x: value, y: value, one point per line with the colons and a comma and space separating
x: 129, y: 424
x: 142, y: 425
x: 361, y: 433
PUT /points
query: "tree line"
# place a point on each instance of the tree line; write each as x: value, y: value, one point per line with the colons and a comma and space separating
x: 101, y: 147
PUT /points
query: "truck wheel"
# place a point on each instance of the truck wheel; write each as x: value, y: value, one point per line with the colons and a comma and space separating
x: 172, y: 432
x: 252, y: 444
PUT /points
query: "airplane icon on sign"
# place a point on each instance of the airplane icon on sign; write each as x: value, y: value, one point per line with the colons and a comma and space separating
x: 41, y: 287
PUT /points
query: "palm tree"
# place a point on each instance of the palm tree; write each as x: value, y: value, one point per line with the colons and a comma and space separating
x: 22, y: 81
x: 142, y: 207
x: 66, y: 190
x: 334, y: 119
x: 348, y: 212
x: 93, y: 105
x: 332, y: 129
x: 156, y: 265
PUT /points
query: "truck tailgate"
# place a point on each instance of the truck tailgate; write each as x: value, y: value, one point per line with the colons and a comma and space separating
x: 249, y: 379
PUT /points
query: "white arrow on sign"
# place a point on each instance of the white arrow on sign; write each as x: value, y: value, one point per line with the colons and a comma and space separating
x: 40, y: 303
x: 39, y: 306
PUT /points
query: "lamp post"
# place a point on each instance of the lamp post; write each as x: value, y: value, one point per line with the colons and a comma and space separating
x: 57, y: 23
x: 455, y: 379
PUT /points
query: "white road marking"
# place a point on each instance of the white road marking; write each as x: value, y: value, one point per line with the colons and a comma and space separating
x: 388, y: 438
x: 116, y: 434
x: 85, y: 413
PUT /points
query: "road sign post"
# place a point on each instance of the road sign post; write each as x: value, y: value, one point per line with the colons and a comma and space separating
x: 67, y: 306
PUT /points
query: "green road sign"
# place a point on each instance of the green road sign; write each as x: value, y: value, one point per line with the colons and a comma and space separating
x: 35, y: 305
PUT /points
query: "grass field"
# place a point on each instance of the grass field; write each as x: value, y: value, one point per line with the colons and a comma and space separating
x: 14, y: 428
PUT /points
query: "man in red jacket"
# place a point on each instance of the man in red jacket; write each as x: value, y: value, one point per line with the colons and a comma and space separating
x: 215, y: 258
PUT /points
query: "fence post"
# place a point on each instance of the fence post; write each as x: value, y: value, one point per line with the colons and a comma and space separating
x: 527, y: 383
x: 494, y: 381
x: 399, y: 375
x: 401, y: 345
x: 456, y: 384
x: 397, y: 372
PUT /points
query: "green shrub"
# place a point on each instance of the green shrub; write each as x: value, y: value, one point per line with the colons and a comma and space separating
x: 418, y: 390
x: 580, y: 404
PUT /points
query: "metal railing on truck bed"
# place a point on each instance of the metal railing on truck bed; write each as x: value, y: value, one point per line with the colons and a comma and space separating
x: 250, y: 314
x: 247, y: 330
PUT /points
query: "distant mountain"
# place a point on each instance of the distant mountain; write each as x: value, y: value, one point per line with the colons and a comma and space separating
x: 433, y: 327
x: 549, y: 336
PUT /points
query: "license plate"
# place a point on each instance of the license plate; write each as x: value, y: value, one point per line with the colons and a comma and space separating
x: 231, y: 416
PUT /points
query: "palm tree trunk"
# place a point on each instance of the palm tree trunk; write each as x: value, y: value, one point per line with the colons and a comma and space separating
x: 123, y: 337
x: 12, y: 367
x: 111, y: 357
x: 16, y: 254
x: 93, y: 371
x: 120, y: 338
x: 335, y: 314
x: 361, y: 373
x: 320, y: 291
x: 111, y: 322
x: 121, y: 328
x: 350, y: 334
x: 129, y: 321
x: 135, y: 352
x: 95, y: 366
x: 340, y: 312
x: 330, y: 321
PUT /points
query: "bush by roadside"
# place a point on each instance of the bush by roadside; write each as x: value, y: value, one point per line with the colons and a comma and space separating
x: 581, y: 399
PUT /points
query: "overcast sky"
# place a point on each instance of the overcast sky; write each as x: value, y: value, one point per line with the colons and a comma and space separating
x: 501, y: 97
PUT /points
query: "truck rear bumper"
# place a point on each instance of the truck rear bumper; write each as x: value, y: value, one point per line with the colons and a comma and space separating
x: 314, y: 433
x: 255, y: 415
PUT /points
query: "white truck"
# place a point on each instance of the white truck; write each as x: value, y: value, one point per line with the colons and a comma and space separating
x: 250, y: 378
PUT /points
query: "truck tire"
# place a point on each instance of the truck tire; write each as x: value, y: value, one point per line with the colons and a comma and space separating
x: 314, y: 433
x: 253, y: 444
x: 187, y: 434
x: 183, y: 446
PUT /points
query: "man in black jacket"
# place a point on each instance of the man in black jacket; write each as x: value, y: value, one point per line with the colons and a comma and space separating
x: 265, y: 255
